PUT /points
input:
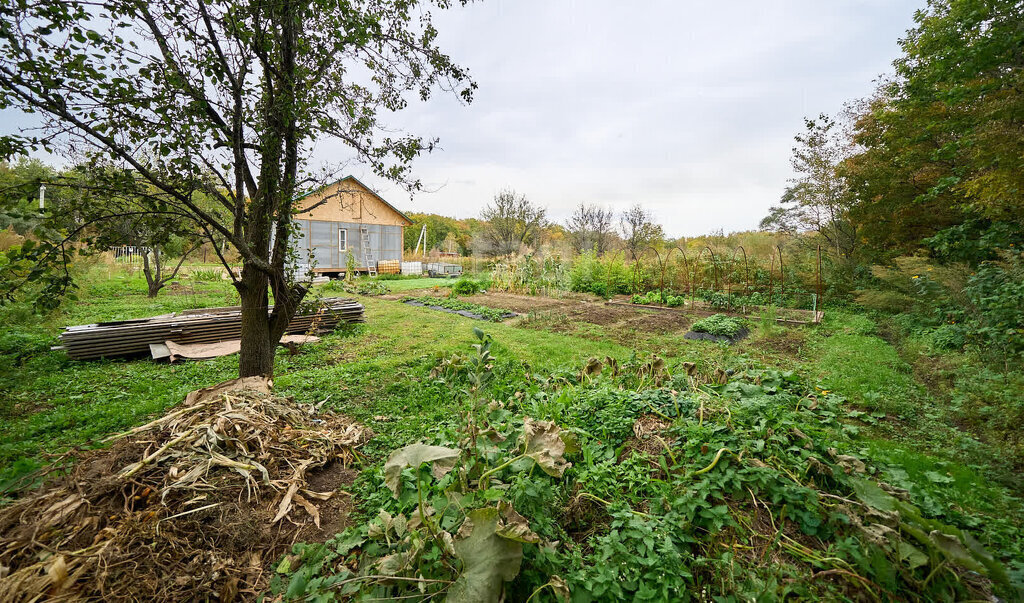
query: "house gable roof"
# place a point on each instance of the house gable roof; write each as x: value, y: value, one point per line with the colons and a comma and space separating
x: 368, y: 189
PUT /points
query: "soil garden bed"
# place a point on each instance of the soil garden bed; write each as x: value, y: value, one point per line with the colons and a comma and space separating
x: 466, y: 309
x: 787, y: 316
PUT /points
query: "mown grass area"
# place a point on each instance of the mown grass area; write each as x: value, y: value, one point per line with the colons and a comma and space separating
x: 408, y: 284
x: 381, y: 374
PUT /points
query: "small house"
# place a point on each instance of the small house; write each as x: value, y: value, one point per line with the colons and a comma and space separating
x: 347, y: 218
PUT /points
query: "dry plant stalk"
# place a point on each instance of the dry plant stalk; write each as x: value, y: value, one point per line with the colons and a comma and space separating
x: 190, y: 506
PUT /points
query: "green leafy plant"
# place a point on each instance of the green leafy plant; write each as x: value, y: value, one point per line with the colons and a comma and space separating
x: 454, y: 532
x: 457, y: 305
x: 719, y: 324
x: 465, y: 286
x: 205, y: 275
x: 662, y: 485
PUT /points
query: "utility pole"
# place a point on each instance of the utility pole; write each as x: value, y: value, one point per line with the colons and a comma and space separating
x: 422, y: 239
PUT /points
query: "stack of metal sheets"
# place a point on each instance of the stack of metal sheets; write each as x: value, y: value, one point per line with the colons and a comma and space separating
x: 208, y: 325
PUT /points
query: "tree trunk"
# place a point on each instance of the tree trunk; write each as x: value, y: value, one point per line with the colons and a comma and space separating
x: 154, y: 288
x: 256, y: 357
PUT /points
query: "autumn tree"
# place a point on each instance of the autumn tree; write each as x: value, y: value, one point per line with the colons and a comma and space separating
x: 639, y: 230
x: 590, y: 228
x: 439, y: 229
x: 818, y: 198
x: 225, y: 98
x: 941, y: 145
x: 512, y: 222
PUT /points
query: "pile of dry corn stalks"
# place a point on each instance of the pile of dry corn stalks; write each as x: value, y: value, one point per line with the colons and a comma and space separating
x: 193, y: 506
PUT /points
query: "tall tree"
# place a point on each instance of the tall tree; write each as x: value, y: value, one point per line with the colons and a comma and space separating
x: 962, y: 75
x: 942, y: 142
x: 639, y: 230
x: 513, y: 221
x: 590, y: 228
x: 118, y: 214
x: 226, y: 98
x: 818, y: 199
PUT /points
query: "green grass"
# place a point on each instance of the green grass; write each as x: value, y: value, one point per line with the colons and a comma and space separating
x: 417, y: 283
x: 854, y: 360
x: 378, y: 373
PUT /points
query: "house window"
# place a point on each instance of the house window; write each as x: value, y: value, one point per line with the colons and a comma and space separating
x: 342, y: 239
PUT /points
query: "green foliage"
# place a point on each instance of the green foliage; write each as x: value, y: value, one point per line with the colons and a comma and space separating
x: 948, y: 337
x: 982, y: 309
x: 975, y: 241
x: 995, y: 318
x: 939, y: 152
x: 492, y: 506
x: 373, y: 287
x: 719, y: 324
x: 526, y: 275
x: 361, y: 287
x: 465, y: 286
x: 205, y: 274
x: 603, y: 276
x: 417, y: 371
x: 441, y: 231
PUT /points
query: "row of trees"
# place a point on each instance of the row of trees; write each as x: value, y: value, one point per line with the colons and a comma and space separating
x: 513, y: 224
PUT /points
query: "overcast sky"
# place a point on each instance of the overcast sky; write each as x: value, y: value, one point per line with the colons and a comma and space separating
x: 687, y: 107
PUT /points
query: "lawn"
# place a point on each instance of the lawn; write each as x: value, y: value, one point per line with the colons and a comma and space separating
x: 402, y: 374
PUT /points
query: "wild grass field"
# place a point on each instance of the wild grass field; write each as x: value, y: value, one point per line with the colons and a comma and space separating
x: 746, y: 467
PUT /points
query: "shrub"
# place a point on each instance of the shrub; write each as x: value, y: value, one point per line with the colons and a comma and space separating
x: 465, y: 286
x: 600, y: 276
x: 947, y: 337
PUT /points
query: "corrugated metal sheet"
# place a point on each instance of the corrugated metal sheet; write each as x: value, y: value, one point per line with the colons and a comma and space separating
x: 128, y: 337
x: 330, y: 248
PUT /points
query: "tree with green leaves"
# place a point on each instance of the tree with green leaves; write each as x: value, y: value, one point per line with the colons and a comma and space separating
x: 818, y: 199
x: 942, y: 143
x: 439, y: 228
x: 225, y: 99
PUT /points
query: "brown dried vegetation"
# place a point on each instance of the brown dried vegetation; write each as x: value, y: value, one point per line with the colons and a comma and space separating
x: 191, y: 506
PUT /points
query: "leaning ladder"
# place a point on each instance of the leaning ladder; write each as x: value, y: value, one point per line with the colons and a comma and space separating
x: 364, y: 242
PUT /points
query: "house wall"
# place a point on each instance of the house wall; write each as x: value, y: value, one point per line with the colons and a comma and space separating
x: 324, y: 238
x: 345, y: 206
x: 347, y: 201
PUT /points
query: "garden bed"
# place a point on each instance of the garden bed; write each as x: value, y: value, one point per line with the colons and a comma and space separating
x: 694, y: 335
x: 454, y: 306
x: 788, y: 316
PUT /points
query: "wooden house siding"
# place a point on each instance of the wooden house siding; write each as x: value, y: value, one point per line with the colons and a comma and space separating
x: 330, y: 221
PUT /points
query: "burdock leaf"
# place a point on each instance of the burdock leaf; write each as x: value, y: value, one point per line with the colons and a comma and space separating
x: 488, y: 559
x: 543, y: 443
x: 560, y: 587
x: 870, y: 494
x: 954, y: 549
x: 514, y: 526
x: 442, y: 461
x: 911, y: 555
